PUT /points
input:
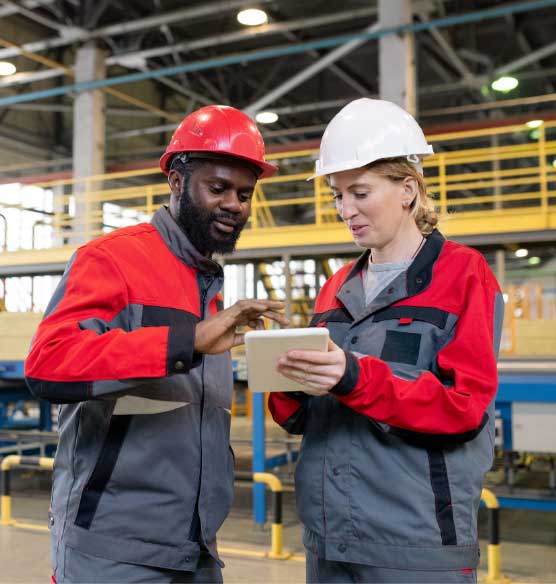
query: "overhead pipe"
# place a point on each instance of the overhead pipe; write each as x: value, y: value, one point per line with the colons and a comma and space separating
x: 259, y: 55
x: 136, y: 59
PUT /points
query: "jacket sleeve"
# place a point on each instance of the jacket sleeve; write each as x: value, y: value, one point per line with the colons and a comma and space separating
x: 82, y: 343
x: 451, y: 403
x: 289, y: 410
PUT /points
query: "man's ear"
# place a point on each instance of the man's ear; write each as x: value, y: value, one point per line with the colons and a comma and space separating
x: 175, y: 182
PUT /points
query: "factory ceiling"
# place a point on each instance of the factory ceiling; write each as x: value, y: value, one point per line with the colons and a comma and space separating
x: 182, y: 55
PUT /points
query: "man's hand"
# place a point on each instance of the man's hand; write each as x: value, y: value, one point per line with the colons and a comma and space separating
x: 218, y: 333
x: 319, y: 372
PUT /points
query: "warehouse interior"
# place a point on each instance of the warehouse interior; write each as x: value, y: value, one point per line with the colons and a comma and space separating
x: 90, y: 95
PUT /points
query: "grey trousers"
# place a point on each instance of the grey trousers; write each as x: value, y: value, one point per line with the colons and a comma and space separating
x: 325, y: 571
x: 80, y: 568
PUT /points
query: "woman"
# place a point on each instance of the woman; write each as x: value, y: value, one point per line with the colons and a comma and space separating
x: 398, y: 415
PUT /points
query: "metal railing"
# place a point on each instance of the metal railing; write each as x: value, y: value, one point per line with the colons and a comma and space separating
x: 276, y: 551
x: 498, y: 174
x: 6, y: 500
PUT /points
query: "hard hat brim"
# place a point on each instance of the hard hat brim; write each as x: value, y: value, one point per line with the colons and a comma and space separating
x: 267, y: 169
x: 354, y: 164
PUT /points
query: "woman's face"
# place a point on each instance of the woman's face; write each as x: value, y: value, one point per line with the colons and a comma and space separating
x: 372, y: 206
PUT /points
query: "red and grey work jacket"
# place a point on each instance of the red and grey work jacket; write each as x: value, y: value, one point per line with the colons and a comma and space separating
x: 392, y: 459
x: 143, y: 471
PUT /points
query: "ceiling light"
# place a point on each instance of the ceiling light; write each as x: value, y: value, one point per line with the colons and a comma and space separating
x: 534, y: 124
x: 521, y: 252
x: 7, y: 68
x: 266, y: 117
x: 504, y: 84
x: 252, y: 17
x: 534, y: 260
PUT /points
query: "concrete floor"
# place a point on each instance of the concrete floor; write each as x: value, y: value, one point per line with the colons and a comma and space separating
x: 528, y: 538
x: 528, y: 547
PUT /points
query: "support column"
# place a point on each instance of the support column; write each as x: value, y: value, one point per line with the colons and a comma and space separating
x: 501, y: 268
x: 286, y: 258
x: 89, y: 136
x: 396, y: 60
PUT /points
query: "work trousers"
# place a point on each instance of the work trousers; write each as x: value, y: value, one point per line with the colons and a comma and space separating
x: 80, y: 568
x: 324, y: 571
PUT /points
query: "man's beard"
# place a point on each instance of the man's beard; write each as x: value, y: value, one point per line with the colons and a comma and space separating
x: 196, y: 222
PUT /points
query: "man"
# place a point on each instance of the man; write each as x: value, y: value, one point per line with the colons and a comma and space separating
x: 135, y: 345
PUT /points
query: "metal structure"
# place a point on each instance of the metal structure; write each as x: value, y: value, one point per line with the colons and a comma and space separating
x: 336, y: 59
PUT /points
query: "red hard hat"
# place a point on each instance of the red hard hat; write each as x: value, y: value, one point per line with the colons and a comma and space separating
x: 219, y: 129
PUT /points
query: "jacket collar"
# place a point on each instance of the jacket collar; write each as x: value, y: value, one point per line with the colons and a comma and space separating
x: 178, y: 243
x: 417, y: 279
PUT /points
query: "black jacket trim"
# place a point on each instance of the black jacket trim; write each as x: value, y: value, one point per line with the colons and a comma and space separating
x: 431, y: 315
x: 442, y: 497
x: 438, y: 440
x: 295, y: 424
x: 419, y: 273
x: 350, y: 378
x: 90, y: 497
x: 58, y: 392
x: 181, y: 336
x: 334, y: 315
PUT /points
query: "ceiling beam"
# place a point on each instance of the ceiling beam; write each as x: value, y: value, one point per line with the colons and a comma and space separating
x: 13, y: 8
x: 331, y: 57
x: 137, y: 59
x: 61, y: 108
x: 129, y: 26
x: 289, y: 50
x: 522, y: 62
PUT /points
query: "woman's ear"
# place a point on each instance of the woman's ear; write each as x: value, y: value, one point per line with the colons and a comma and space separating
x: 410, y: 191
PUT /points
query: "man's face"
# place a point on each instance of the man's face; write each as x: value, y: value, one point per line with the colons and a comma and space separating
x: 214, y: 205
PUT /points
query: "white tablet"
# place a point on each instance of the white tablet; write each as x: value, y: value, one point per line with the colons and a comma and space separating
x: 264, y: 348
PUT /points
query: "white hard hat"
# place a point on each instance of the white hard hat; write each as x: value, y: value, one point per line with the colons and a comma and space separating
x: 367, y: 130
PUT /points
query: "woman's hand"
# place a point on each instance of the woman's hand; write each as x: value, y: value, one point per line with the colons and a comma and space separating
x: 319, y: 372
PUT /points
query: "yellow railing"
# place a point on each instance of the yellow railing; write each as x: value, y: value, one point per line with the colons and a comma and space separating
x: 483, y: 181
x: 497, y: 180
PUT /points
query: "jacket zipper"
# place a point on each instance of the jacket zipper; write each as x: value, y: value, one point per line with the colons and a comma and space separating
x: 195, y: 530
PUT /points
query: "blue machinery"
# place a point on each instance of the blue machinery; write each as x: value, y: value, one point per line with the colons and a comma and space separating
x: 526, y: 419
x: 14, y: 391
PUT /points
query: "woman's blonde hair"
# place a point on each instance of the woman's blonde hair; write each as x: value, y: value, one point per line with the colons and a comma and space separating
x: 422, y: 207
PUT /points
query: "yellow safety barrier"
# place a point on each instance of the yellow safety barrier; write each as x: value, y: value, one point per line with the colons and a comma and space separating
x: 494, y: 556
x: 6, y: 502
x: 276, y: 551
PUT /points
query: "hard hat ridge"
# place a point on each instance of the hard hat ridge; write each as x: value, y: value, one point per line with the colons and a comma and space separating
x: 219, y: 130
